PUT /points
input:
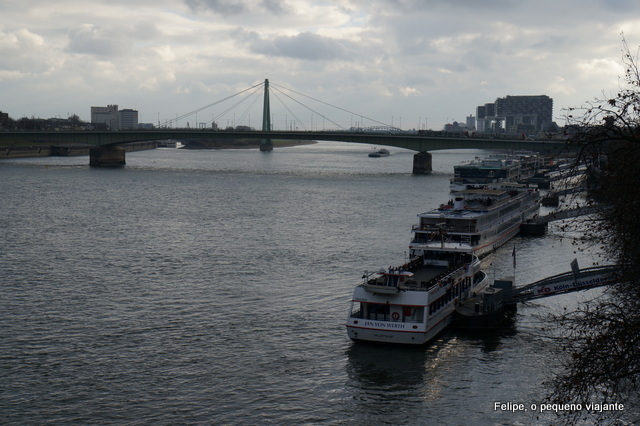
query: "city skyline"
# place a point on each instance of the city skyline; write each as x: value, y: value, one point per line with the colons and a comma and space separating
x: 418, y: 64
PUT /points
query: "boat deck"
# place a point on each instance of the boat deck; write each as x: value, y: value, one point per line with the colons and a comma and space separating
x: 425, y: 278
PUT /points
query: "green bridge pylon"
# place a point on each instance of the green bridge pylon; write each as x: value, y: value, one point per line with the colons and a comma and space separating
x: 266, y: 144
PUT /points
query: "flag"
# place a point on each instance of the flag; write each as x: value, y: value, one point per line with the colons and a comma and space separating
x: 514, y: 256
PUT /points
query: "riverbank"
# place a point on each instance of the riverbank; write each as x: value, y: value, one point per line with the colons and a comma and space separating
x: 64, y: 150
x: 22, y: 150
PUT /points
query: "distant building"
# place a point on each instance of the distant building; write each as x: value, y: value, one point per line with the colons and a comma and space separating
x: 471, y: 122
x: 455, y: 127
x: 4, y: 119
x: 516, y: 114
x: 105, y: 117
x: 128, y: 119
x: 110, y: 118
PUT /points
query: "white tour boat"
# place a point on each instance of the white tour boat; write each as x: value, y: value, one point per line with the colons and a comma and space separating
x: 477, y: 221
x: 411, y: 304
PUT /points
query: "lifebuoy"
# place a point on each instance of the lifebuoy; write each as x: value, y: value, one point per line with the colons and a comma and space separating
x: 395, y: 316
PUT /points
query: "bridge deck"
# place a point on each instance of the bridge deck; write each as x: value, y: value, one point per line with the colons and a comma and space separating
x: 413, y: 142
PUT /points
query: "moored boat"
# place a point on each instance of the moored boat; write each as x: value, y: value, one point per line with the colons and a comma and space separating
x: 412, y: 303
x: 477, y: 221
x: 480, y: 172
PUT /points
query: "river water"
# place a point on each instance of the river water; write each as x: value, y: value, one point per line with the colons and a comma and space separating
x: 212, y: 287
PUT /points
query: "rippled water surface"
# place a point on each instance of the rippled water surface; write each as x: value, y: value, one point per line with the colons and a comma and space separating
x: 212, y: 287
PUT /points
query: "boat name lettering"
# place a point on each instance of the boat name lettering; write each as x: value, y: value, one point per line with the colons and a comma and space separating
x: 382, y: 324
x: 561, y: 287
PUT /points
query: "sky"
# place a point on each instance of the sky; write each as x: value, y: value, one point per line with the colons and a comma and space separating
x: 413, y: 64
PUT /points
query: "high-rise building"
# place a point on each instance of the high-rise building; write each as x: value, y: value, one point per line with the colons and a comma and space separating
x: 128, y: 119
x: 516, y: 114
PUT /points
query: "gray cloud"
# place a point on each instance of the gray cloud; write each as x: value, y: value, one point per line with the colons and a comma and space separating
x: 438, y: 57
x: 236, y: 7
x: 311, y: 46
x: 94, y: 40
x: 305, y: 45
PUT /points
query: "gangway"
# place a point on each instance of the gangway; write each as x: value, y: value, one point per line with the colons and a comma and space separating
x: 580, y: 279
x: 496, y: 305
x: 573, y: 190
x: 566, y: 214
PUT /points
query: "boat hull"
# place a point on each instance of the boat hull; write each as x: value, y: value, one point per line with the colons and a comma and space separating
x: 376, y: 332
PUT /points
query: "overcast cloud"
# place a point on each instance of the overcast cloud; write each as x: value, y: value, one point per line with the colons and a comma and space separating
x: 390, y: 60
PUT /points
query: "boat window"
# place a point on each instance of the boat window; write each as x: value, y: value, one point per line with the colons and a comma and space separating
x: 413, y: 313
x: 376, y: 311
x: 382, y: 312
x: 357, y: 310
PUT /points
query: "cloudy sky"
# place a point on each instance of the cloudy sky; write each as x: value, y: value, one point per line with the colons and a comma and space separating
x: 391, y: 60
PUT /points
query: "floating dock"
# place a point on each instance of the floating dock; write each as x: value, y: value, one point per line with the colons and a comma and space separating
x: 490, y: 309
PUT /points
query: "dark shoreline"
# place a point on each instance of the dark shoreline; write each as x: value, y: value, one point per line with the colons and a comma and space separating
x: 26, y: 151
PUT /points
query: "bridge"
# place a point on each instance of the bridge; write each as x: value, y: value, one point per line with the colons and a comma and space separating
x: 109, y: 140
x: 107, y: 148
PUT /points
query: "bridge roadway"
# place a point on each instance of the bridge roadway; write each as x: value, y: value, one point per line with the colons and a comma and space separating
x: 412, y: 142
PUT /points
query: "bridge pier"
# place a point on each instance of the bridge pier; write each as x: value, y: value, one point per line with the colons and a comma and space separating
x: 266, y: 145
x: 107, y: 156
x: 422, y: 163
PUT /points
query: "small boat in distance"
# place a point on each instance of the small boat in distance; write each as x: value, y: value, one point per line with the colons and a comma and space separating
x: 382, y: 152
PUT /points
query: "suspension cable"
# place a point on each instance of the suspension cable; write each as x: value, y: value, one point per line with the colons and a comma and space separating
x: 328, y: 104
x: 246, y: 111
x: 170, y: 121
x: 310, y: 109
x: 279, y: 89
x: 237, y: 103
x: 296, y: 119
